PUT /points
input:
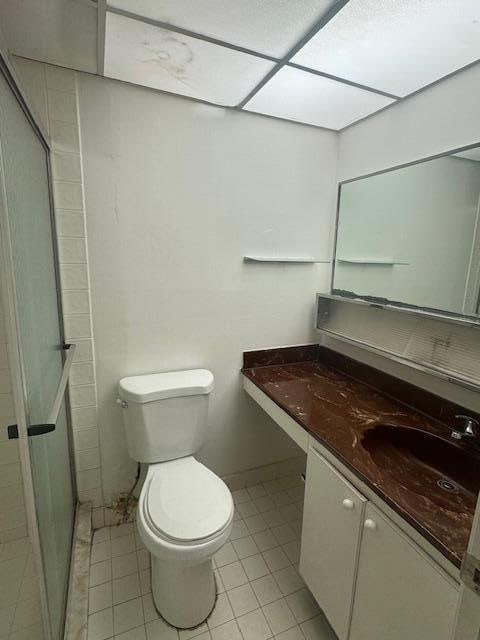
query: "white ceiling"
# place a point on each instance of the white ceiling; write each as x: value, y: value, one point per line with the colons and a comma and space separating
x: 327, y: 63
x: 397, y: 46
x: 267, y: 26
x: 304, y: 97
x: 141, y: 53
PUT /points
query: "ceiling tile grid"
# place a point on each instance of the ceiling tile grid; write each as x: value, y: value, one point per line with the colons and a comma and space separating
x: 271, y: 27
x: 397, y: 46
x: 143, y: 54
x: 327, y: 63
x: 304, y: 97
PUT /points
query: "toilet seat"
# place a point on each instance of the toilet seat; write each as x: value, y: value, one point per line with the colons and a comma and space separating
x: 185, y: 502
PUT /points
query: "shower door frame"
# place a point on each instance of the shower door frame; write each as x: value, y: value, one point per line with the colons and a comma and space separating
x: 14, y: 345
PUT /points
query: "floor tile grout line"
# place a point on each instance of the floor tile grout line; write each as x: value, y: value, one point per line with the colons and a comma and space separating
x: 280, y: 545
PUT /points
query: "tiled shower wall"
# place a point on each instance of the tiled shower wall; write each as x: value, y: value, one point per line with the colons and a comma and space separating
x: 53, y: 96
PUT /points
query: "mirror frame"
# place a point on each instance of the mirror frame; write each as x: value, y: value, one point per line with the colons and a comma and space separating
x: 392, y: 305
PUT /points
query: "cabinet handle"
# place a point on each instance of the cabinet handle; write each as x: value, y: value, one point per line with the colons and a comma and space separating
x: 348, y: 504
x: 370, y: 524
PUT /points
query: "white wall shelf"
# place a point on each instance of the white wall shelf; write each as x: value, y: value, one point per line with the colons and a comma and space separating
x: 371, y: 261
x: 285, y: 260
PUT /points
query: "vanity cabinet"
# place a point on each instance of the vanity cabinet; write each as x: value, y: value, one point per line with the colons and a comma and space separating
x: 371, y: 580
x: 332, y: 525
x: 400, y: 593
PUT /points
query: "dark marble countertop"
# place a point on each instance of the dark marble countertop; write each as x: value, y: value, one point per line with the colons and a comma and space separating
x: 340, y: 412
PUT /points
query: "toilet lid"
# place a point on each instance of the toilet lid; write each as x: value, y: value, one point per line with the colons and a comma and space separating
x: 186, y: 501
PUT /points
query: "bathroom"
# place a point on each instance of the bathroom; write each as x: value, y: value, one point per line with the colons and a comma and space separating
x: 240, y: 284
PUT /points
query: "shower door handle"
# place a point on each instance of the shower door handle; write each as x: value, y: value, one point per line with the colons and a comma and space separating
x: 47, y: 427
x: 33, y: 430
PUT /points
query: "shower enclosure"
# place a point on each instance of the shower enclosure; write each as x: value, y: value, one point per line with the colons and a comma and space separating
x: 34, y: 560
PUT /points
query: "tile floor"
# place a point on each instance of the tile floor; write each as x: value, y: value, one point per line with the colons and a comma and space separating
x: 260, y: 593
x: 20, y: 612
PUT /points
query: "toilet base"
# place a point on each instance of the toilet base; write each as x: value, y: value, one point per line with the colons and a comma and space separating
x: 183, y: 594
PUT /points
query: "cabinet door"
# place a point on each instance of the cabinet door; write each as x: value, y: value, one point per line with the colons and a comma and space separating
x: 400, y: 593
x: 332, y: 522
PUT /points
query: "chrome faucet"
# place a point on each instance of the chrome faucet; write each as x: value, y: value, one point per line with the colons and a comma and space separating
x: 471, y: 428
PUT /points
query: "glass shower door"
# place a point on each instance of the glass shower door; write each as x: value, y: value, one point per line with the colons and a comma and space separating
x: 24, y: 164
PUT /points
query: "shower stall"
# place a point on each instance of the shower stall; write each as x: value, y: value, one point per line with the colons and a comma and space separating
x: 37, y: 480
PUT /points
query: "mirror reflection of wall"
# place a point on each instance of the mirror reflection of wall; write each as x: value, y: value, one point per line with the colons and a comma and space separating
x: 411, y: 235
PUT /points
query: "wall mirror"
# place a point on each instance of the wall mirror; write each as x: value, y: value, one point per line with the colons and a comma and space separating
x: 410, y: 236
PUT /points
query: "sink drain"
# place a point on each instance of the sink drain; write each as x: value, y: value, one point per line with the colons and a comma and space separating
x: 448, y: 485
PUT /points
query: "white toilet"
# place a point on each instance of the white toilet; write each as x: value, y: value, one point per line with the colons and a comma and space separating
x: 185, y: 511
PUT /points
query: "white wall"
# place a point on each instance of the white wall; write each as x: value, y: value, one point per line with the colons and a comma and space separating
x: 176, y: 194
x: 437, y: 120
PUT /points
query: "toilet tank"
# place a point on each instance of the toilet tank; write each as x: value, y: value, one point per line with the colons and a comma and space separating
x: 165, y: 414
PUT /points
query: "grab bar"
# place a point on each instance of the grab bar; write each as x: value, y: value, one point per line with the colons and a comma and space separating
x: 62, y: 385
x: 49, y: 425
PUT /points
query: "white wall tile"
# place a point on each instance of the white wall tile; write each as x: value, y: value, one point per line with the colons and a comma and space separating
x: 72, y: 250
x: 59, y: 78
x: 13, y: 518
x: 83, y: 373
x: 85, y: 439
x: 61, y: 106
x: 8, y: 452
x: 3, y: 356
x: 64, y: 136
x: 68, y: 195
x: 94, y: 496
x: 89, y: 479
x: 70, y: 223
x: 84, y: 417
x: 11, y: 497
x: 84, y: 351
x: 66, y: 166
x: 75, y: 302
x: 13, y: 534
x: 6, y: 405
x: 77, y: 326
x: 10, y: 474
x: 5, y: 381
x: 88, y: 459
x: 72, y: 276
x: 3, y: 335
x: 82, y: 396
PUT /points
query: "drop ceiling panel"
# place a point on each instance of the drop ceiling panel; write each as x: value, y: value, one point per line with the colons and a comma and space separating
x: 271, y: 27
x: 305, y: 97
x: 397, y: 46
x: 62, y: 32
x: 143, y: 54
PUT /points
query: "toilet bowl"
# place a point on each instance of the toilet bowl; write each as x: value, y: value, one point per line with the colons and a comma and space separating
x: 185, y: 515
x: 185, y: 511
